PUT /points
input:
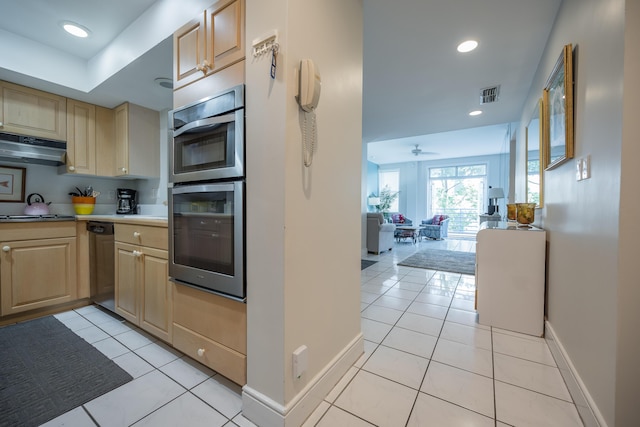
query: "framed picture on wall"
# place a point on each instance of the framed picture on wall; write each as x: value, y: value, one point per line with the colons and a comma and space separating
x: 558, y: 102
x: 12, y: 184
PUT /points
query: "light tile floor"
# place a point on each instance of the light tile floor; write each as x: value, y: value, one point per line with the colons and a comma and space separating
x: 427, y: 362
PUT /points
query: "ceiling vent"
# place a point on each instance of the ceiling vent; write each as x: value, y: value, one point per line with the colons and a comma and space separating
x: 489, y: 94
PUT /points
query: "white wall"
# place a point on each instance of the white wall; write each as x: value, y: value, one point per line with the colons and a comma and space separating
x: 303, y: 269
x: 627, y: 410
x: 583, y: 248
x: 27, y: 57
x: 55, y: 188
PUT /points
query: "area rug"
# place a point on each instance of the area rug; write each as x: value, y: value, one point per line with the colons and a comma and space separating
x: 364, y: 263
x: 47, y: 370
x: 436, y: 259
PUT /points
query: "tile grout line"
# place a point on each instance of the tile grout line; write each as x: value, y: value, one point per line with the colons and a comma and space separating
x: 155, y: 368
x: 413, y: 406
x: 360, y: 368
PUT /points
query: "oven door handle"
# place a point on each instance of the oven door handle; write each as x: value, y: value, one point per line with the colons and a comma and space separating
x: 204, y: 124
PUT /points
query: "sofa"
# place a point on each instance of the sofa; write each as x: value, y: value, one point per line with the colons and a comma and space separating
x: 435, y: 228
x: 379, y: 234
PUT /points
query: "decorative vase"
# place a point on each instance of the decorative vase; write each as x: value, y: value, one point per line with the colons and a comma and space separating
x: 83, y: 205
x: 511, y: 211
x: 525, y: 213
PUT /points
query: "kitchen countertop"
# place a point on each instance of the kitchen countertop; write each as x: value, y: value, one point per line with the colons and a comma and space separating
x: 127, y: 219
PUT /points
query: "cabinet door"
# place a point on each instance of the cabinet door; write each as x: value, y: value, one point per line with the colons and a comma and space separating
x: 81, y: 137
x: 126, y: 281
x: 31, y: 112
x: 156, y: 310
x: 121, y: 119
x: 225, y: 34
x: 209, y: 43
x: 189, y: 47
x: 37, y: 273
x: 105, y: 142
x: 137, y: 136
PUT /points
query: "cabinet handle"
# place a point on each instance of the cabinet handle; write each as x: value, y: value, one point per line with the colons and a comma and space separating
x: 201, y: 352
x: 6, y: 248
x: 1, y: 124
x: 136, y: 234
x: 124, y: 170
x: 72, y: 168
x: 204, y: 67
x: 137, y: 254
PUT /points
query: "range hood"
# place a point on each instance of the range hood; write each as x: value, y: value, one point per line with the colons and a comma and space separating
x: 28, y: 149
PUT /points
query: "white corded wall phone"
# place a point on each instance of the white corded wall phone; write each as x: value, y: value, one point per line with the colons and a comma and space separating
x: 308, y: 97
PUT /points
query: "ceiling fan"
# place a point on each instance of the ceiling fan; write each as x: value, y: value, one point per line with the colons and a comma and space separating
x: 418, y: 151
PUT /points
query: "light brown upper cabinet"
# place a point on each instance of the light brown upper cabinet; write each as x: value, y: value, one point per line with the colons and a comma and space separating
x: 81, y: 137
x: 105, y: 141
x: 137, y: 136
x: 31, y: 112
x: 90, y: 140
x: 209, y: 43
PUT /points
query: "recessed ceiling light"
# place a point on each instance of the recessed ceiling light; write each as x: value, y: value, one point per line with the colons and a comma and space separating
x: 467, y: 46
x: 164, y: 82
x: 475, y: 113
x: 75, y: 29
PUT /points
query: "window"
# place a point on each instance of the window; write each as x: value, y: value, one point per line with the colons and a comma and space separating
x: 391, y: 179
x: 533, y: 181
x: 458, y: 191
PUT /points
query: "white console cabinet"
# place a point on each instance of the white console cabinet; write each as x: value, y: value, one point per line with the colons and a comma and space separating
x: 510, y: 277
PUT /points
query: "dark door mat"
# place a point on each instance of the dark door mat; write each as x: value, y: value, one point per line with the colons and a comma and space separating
x: 47, y: 370
x: 364, y: 263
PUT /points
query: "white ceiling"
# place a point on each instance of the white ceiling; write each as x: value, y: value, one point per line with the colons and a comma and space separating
x: 417, y: 87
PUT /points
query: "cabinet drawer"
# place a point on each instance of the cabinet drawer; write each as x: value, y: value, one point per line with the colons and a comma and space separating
x: 219, y: 319
x: 37, y: 230
x: 143, y: 235
x: 224, y: 360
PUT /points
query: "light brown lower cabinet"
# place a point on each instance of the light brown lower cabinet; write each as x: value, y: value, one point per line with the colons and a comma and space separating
x: 143, y: 291
x: 37, y: 266
x: 212, y: 330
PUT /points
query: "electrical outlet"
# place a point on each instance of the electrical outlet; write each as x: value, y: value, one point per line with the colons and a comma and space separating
x: 111, y: 195
x: 300, y: 361
x: 154, y: 193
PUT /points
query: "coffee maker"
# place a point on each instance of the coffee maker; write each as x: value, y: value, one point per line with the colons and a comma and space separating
x: 127, y: 203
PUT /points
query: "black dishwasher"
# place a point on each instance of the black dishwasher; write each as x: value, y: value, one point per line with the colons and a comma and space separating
x: 101, y: 263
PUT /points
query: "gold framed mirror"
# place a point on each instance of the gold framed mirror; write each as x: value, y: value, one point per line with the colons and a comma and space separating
x: 558, y: 115
x: 535, y: 156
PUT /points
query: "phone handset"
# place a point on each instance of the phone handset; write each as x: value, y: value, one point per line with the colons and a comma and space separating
x: 308, y: 96
x: 309, y: 85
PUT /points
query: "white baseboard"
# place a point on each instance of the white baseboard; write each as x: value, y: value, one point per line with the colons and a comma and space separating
x: 587, y: 408
x: 265, y: 412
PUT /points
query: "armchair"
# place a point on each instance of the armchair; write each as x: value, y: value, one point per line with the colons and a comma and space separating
x: 379, y: 234
x: 399, y: 219
x: 435, y: 228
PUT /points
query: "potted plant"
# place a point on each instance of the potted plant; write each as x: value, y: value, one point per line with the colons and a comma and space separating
x: 84, y: 201
x: 387, y: 197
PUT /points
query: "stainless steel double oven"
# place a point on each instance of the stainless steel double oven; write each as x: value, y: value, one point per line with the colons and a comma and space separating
x: 206, y: 194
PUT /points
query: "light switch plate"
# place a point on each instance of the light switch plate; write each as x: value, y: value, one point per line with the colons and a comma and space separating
x: 579, y: 170
x: 586, y: 167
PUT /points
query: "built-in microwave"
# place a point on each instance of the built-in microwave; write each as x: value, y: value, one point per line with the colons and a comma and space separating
x: 208, y: 138
x: 206, y: 236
